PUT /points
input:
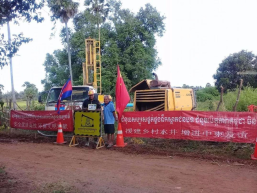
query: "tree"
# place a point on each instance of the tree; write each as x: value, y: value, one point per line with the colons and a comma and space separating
x: 127, y: 39
x: 30, y: 92
x: 227, y: 73
x: 64, y: 10
x: 207, y: 93
x: 56, y: 69
x: 131, y: 45
x: 21, y: 95
x: 100, y: 10
x: 185, y: 86
x: 15, y: 10
x: 7, y: 97
x: 208, y: 85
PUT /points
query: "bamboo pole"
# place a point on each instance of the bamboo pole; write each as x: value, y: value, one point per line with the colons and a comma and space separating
x: 238, y: 95
x: 221, y: 97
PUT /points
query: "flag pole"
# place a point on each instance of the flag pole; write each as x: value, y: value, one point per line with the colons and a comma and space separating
x: 71, y: 97
x: 122, y: 99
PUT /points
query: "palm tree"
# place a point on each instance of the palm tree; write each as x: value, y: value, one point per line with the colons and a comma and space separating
x: 100, y: 10
x: 64, y: 10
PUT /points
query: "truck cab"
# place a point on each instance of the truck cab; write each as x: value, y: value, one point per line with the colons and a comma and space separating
x: 79, y: 94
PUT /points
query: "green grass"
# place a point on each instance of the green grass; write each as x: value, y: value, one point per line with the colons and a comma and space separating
x: 22, y: 105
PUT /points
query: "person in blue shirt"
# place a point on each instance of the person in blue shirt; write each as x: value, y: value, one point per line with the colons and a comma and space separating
x: 109, y: 120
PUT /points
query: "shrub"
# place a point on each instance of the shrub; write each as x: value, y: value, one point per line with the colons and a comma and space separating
x: 211, y: 90
x: 39, y: 107
x: 202, y: 97
x: 207, y: 93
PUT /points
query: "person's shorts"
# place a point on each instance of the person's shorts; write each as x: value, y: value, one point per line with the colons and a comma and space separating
x: 109, y: 128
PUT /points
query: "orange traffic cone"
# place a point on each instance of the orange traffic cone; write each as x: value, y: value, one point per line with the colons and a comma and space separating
x: 254, y: 155
x: 120, y: 140
x: 60, y: 139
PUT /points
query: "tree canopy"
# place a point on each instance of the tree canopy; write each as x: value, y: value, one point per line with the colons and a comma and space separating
x: 62, y: 9
x: 227, y: 73
x: 16, y: 10
x: 100, y: 10
x: 30, y: 93
x: 127, y: 39
x: 30, y: 90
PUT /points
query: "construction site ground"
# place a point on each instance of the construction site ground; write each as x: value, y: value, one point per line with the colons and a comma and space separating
x: 29, y: 164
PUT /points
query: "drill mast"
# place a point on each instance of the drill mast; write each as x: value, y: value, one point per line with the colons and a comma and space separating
x: 92, y: 67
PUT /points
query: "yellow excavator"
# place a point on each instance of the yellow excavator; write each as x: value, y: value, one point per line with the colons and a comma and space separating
x: 156, y: 95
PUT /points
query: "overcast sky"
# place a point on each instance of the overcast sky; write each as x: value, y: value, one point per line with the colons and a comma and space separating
x: 199, y: 35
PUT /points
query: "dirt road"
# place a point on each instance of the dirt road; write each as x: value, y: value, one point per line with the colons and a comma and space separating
x: 88, y: 170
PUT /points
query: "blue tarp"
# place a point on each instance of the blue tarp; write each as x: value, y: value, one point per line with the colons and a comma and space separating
x: 130, y: 105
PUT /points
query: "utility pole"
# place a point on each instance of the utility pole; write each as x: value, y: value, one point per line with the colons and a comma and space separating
x: 11, y: 70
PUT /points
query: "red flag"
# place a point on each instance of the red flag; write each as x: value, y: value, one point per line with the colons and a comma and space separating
x: 122, y: 96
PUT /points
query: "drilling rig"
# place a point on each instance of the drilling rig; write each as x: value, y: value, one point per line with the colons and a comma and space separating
x: 91, y: 80
x: 92, y: 66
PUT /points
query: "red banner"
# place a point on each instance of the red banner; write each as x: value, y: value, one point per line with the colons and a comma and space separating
x: 42, y: 120
x: 238, y: 127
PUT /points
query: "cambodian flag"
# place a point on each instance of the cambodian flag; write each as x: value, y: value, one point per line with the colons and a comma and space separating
x: 65, y: 92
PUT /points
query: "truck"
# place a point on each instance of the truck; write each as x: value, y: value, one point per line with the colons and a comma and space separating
x: 155, y: 95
